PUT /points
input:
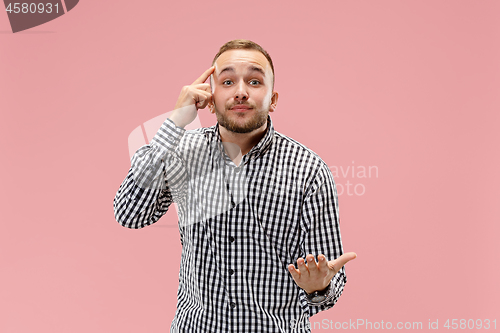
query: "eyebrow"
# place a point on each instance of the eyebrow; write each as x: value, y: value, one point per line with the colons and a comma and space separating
x: 252, y: 69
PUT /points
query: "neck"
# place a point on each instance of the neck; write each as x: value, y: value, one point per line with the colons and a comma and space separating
x: 244, y: 141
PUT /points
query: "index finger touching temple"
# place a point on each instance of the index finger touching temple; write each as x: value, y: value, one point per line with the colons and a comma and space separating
x: 205, y: 75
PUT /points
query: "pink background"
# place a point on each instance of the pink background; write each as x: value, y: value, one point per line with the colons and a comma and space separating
x: 410, y: 87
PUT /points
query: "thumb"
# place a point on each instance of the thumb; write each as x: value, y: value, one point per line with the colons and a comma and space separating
x: 338, y: 263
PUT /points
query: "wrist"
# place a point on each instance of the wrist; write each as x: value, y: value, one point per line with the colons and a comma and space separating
x: 319, y: 291
x: 318, y: 296
x: 183, y: 116
x: 178, y: 122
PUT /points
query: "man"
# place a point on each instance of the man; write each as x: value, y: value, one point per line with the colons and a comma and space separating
x: 251, y: 202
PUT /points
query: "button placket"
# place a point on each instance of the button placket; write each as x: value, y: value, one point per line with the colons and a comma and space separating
x: 228, y: 178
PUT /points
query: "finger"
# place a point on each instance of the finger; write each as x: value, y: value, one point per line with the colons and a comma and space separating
x: 322, y: 263
x: 311, y: 264
x: 202, y: 99
x: 302, y: 266
x: 201, y: 94
x: 202, y: 86
x: 205, y: 75
x: 338, y: 263
x: 295, y: 272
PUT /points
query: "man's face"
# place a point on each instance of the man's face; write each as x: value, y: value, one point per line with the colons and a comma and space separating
x: 242, y: 94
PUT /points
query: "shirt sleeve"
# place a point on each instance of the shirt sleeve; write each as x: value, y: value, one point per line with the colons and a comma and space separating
x: 321, y: 219
x: 150, y: 185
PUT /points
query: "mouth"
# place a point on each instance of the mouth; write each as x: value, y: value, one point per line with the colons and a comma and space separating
x: 240, y: 108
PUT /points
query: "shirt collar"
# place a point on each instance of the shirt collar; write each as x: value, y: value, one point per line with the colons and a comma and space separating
x: 257, y: 150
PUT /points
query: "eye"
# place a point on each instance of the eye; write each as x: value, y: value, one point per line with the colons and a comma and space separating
x: 224, y: 82
x: 257, y: 81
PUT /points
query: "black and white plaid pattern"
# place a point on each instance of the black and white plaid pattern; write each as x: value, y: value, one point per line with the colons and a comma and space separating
x: 240, y: 226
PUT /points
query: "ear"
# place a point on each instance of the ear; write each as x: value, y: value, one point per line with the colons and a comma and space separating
x: 274, y: 101
x: 211, y: 107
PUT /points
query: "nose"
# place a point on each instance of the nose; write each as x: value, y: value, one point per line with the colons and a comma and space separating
x: 241, y: 93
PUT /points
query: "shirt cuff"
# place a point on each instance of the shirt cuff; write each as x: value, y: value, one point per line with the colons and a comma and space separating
x: 168, y: 136
x: 310, y: 302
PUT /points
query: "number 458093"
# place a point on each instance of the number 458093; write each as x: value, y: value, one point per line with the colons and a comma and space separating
x: 470, y: 324
x: 32, y: 8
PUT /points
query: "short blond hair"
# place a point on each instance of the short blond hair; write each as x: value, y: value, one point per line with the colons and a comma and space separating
x: 244, y: 44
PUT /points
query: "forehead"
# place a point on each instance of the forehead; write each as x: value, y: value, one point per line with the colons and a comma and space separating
x: 242, y: 59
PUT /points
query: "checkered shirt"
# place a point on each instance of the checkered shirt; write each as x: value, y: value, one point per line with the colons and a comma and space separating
x: 240, y: 226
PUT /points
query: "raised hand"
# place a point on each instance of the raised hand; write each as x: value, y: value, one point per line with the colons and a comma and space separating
x: 192, y: 98
x: 316, y: 276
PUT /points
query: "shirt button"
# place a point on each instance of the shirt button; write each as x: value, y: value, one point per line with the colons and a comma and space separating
x: 231, y: 271
x: 232, y: 305
x: 237, y: 170
x: 231, y: 239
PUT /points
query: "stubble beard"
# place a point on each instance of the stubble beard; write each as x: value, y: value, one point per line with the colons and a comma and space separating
x: 252, y: 124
